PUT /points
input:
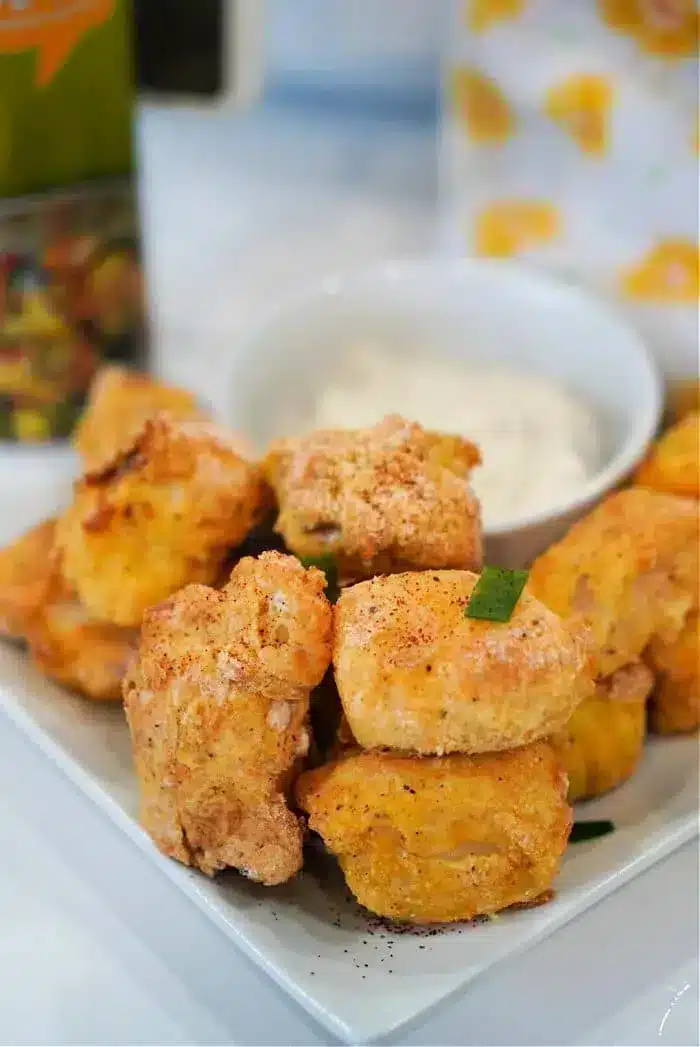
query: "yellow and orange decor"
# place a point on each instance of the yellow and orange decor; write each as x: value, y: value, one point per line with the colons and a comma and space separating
x: 571, y: 141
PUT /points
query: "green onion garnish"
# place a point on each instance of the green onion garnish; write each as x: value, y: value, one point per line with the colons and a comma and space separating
x: 590, y: 830
x: 495, y: 595
x: 329, y: 565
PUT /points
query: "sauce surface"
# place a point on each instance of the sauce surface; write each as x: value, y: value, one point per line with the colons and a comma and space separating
x: 539, y: 442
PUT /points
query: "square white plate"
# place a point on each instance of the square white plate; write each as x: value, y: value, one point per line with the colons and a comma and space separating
x: 359, y: 980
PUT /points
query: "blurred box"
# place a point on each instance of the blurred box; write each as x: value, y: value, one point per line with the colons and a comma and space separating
x: 570, y: 142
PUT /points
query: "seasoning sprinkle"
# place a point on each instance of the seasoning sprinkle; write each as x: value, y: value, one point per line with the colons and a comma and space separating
x: 590, y: 830
x: 496, y: 594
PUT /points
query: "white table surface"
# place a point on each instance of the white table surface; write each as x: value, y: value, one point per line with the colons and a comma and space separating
x: 96, y: 947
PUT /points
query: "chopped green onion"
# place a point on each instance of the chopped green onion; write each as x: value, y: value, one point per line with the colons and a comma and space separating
x: 329, y: 565
x: 590, y: 830
x: 495, y: 595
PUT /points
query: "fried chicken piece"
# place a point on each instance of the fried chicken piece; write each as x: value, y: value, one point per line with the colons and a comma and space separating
x: 262, y: 539
x: 120, y: 401
x: 38, y: 606
x: 217, y: 707
x: 389, y: 498
x: 604, y: 738
x: 414, y: 673
x: 675, y: 704
x: 69, y: 646
x: 629, y: 569
x: 162, y: 515
x: 435, y: 840
x: 673, y: 465
x: 25, y: 566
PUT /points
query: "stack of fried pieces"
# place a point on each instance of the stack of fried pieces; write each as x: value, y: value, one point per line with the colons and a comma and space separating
x: 443, y: 794
x: 630, y: 571
x: 442, y: 801
x: 455, y: 804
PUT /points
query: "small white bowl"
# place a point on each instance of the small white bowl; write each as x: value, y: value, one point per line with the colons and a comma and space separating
x: 493, y: 311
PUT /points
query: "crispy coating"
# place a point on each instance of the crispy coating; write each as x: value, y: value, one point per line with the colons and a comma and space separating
x: 217, y: 707
x: 438, y: 840
x: 604, y: 738
x: 25, y: 566
x: 389, y: 498
x: 414, y: 673
x: 67, y: 645
x: 162, y: 515
x: 629, y: 569
x: 675, y: 704
x: 120, y: 401
x: 673, y: 465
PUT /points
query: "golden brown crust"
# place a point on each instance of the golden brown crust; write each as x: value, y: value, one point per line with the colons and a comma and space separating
x: 603, y: 741
x: 120, y: 401
x: 673, y: 464
x: 164, y: 514
x: 675, y: 704
x: 217, y: 707
x: 67, y: 645
x: 629, y: 570
x: 414, y: 673
x: 37, y: 605
x: 435, y: 840
x: 25, y: 566
x: 392, y: 497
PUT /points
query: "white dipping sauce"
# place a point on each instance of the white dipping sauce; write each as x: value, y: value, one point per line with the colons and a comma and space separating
x: 539, y: 443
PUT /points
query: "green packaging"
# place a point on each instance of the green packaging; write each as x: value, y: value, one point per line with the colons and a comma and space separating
x: 71, y: 281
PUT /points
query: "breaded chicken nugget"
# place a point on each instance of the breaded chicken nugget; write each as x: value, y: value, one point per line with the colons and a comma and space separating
x: 217, y: 707
x: 164, y: 514
x: 629, y: 569
x: 414, y: 673
x: 675, y: 703
x: 25, y: 566
x: 389, y: 498
x: 673, y: 464
x: 120, y: 401
x: 88, y: 656
x: 437, y: 840
x: 604, y: 738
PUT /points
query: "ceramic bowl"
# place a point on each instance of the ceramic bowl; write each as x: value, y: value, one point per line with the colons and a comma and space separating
x: 473, y: 310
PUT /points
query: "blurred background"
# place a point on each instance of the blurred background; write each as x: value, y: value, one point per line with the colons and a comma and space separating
x: 564, y: 135
x: 280, y: 141
x: 328, y: 162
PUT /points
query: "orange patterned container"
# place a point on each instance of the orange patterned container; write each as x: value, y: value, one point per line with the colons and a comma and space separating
x: 571, y: 141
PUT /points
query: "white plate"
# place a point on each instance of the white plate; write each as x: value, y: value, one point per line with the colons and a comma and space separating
x: 359, y: 981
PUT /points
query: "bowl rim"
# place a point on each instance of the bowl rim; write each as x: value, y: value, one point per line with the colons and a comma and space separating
x: 647, y: 418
